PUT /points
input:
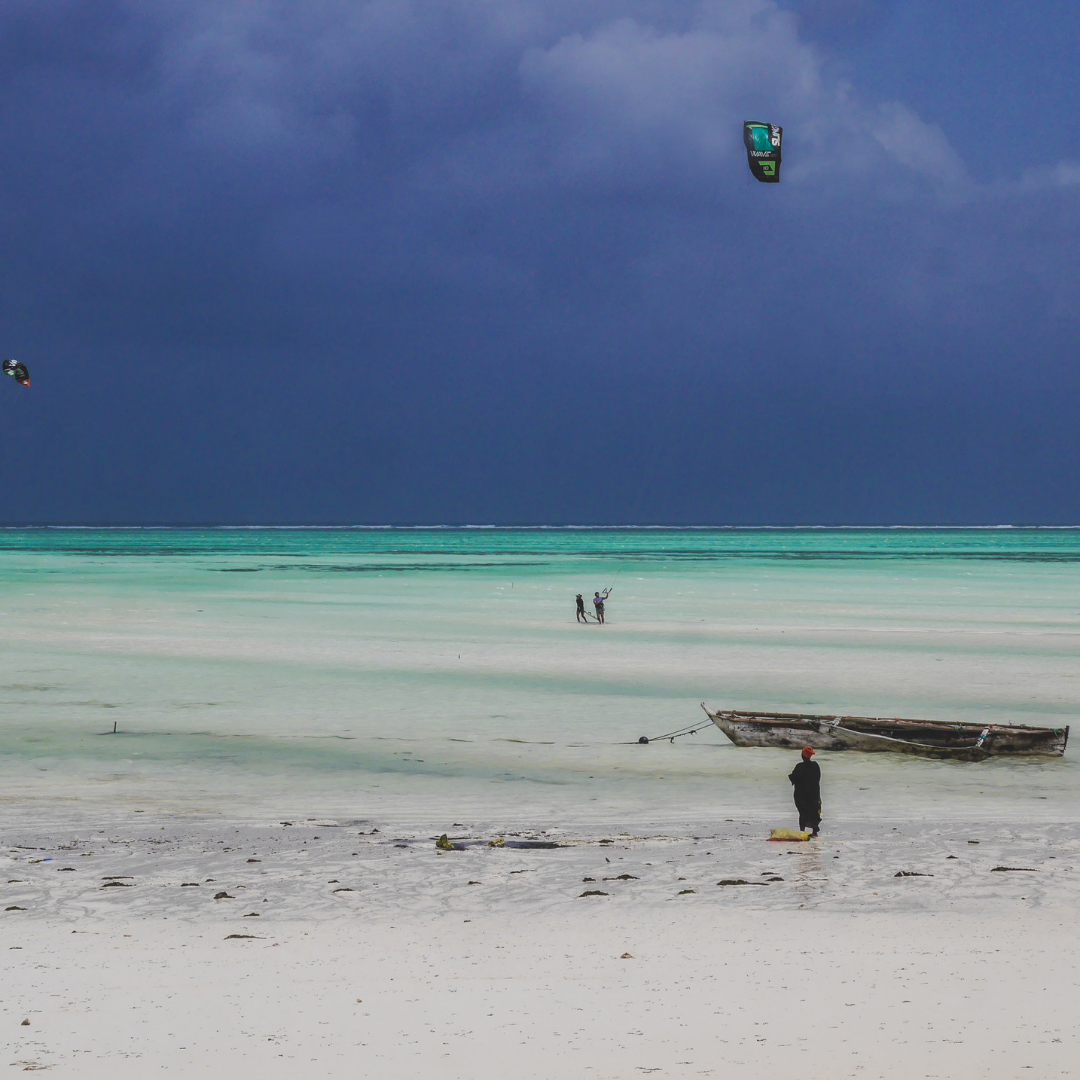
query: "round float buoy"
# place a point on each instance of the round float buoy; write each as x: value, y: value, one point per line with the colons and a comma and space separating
x: 643, y: 739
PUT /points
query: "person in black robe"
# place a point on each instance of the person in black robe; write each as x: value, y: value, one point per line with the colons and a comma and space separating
x: 806, y: 779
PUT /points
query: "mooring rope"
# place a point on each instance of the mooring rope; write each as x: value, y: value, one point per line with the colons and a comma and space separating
x: 671, y: 736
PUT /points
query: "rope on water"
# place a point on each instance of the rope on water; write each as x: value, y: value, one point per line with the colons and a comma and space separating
x: 671, y: 736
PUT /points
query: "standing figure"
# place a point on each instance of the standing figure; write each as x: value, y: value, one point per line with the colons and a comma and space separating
x: 598, y: 605
x: 581, y: 616
x: 806, y: 779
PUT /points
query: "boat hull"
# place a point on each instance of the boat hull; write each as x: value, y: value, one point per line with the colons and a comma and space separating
x: 963, y: 742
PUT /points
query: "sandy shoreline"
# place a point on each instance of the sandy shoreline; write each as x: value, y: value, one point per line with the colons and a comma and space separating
x: 472, y: 963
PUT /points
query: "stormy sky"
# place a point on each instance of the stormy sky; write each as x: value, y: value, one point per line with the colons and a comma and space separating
x: 501, y: 261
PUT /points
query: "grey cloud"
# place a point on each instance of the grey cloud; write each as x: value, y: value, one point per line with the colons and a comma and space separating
x: 227, y: 171
x: 917, y: 144
x: 374, y: 260
x: 668, y: 101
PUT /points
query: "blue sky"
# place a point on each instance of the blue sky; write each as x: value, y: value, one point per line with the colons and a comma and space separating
x: 501, y: 262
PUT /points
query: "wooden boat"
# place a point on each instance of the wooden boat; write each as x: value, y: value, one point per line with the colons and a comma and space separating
x: 925, y: 738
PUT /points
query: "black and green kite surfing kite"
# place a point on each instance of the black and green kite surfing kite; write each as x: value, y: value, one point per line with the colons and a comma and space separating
x: 763, y: 149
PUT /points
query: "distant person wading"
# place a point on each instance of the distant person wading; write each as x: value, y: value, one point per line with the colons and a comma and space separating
x: 806, y: 779
x: 581, y: 616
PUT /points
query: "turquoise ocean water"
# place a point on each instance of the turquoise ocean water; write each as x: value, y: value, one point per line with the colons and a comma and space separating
x: 421, y: 671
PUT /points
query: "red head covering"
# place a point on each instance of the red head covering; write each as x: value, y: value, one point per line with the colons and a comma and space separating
x: 807, y: 751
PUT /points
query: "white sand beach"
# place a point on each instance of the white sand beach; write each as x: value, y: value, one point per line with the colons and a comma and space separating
x: 345, y: 948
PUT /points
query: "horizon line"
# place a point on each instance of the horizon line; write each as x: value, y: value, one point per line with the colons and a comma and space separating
x: 523, y: 526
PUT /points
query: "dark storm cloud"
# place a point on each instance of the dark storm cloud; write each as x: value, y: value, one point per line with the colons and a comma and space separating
x: 185, y: 166
x: 500, y: 260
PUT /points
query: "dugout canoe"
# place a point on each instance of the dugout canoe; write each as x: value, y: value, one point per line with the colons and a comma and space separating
x: 924, y: 738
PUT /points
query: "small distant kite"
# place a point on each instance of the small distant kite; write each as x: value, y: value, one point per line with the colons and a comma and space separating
x: 763, y: 149
x: 17, y: 371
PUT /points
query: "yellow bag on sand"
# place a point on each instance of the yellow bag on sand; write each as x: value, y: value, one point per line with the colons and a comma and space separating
x: 497, y: 842
x: 443, y: 843
x: 788, y: 834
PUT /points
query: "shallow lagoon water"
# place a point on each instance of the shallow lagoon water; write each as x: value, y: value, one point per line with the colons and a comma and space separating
x: 404, y: 671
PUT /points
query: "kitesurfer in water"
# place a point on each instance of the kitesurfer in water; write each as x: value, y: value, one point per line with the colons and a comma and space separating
x: 806, y: 779
x: 581, y: 616
x: 598, y: 605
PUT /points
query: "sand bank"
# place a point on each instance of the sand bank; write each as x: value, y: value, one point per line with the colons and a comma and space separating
x: 371, y: 953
